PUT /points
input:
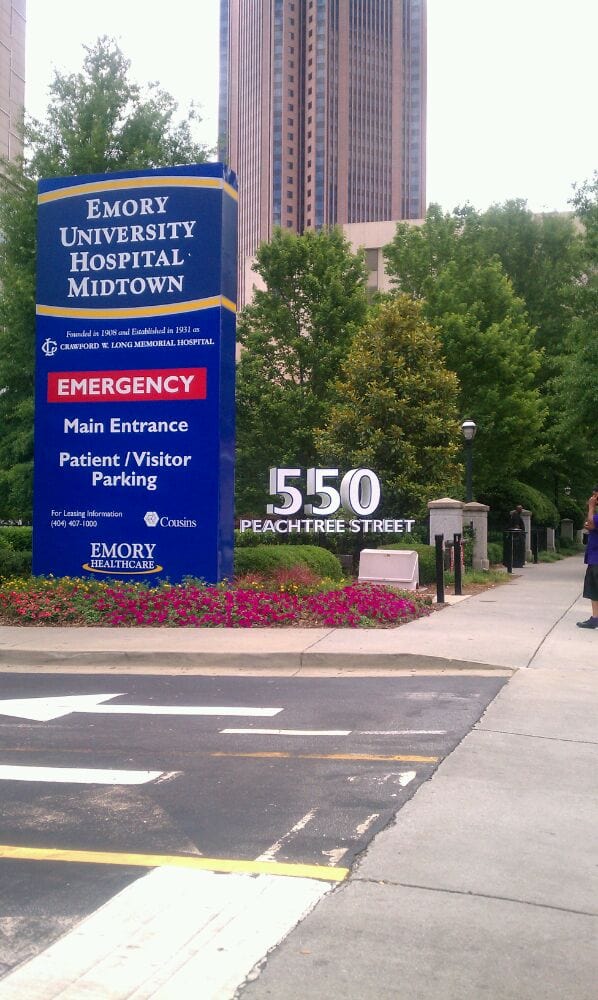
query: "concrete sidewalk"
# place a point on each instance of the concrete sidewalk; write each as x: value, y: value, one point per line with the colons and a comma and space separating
x: 514, y: 625
x: 487, y: 883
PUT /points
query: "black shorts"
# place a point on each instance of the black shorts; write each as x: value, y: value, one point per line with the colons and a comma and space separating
x: 590, y: 583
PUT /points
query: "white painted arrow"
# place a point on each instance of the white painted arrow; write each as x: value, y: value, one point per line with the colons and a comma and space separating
x: 45, y: 709
x: 76, y: 775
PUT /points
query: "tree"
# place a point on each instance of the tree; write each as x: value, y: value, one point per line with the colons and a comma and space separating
x: 540, y: 254
x: 579, y: 382
x: 294, y: 335
x: 488, y: 343
x: 97, y: 121
x: 396, y: 411
x: 486, y: 338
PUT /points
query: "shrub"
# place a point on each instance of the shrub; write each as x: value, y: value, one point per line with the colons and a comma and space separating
x: 427, y: 559
x: 267, y: 559
x: 18, y: 537
x: 503, y: 500
x: 13, y: 563
x: 249, y: 539
x: 495, y: 553
x: 569, y: 545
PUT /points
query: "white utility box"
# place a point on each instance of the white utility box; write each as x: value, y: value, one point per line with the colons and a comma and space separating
x: 395, y: 568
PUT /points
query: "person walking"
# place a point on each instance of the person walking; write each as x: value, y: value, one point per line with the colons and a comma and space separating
x: 590, y: 584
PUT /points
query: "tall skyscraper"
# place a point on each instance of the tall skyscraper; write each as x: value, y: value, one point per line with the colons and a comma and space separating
x: 323, y: 112
x: 12, y: 75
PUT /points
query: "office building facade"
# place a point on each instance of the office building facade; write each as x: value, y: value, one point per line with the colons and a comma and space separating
x: 12, y: 76
x: 323, y: 112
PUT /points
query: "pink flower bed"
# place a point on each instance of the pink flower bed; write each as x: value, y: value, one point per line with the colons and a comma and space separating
x: 197, y: 606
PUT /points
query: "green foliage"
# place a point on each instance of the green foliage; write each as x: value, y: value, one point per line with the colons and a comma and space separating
x: 540, y: 254
x: 486, y: 337
x: 396, y: 409
x: 504, y: 498
x: 579, y: 381
x: 489, y: 344
x: 569, y: 546
x: 266, y: 559
x: 13, y: 562
x: 549, y: 557
x: 249, y: 539
x: 97, y: 121
x: 495, y: 553
x: 426, y: 559
x: 570, y: 508
x: 550, y: 262
x: 295, y: 335
x: 18, y: 537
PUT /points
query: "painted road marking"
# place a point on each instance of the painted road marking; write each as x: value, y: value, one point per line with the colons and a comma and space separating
x: 272, y: 851
x: 367, y: 823
x: 404, y: 777
x: 227, y: 865
x: 46, y: 709
x: 282, y: 754
x: 77, y: 775
x: 286, y: 732
x: 402, y: 732
x: 334, y: 732
x: 170, y: 934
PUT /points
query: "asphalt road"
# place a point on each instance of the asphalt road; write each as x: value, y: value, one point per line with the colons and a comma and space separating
x: 324, y: 765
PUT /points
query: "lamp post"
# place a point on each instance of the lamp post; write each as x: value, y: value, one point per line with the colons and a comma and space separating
x: 468, y: 430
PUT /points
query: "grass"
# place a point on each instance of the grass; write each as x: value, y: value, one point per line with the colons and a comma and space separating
x: 476, y: 577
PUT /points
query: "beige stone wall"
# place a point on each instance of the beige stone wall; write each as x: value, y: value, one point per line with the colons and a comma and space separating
x: 12, y: 75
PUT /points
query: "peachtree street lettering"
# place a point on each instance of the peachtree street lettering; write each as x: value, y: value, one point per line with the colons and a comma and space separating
x: 328, y: 526
x: 115, y: 386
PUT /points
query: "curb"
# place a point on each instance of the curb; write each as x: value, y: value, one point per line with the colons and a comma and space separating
x: 185, y: 662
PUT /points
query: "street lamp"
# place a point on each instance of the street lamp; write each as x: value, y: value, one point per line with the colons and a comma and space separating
x: 468, y: 430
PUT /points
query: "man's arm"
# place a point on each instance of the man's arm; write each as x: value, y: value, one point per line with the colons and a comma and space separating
x: 591, y: 519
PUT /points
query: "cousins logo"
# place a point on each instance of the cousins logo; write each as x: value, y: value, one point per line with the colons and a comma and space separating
x: 130, y: 558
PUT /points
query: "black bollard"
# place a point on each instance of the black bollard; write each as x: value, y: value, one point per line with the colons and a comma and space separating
x: 457, y: 550
x: 535, y: 544
x: 508, y: 550
x: 439, y: 543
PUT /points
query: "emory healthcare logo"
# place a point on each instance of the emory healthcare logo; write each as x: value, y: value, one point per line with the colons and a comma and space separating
x: 128, y: 558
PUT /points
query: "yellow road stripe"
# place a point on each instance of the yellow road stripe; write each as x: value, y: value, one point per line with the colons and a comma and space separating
x: 321, y: 872
x: 410, y: 758
x: 125, y: 183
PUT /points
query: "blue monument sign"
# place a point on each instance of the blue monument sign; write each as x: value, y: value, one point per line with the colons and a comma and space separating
x: 135, y: 362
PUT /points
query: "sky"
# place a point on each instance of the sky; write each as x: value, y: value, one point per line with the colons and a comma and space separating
x: 512, y: 84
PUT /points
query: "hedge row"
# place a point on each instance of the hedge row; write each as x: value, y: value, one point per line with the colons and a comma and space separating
x: 265, y: 559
